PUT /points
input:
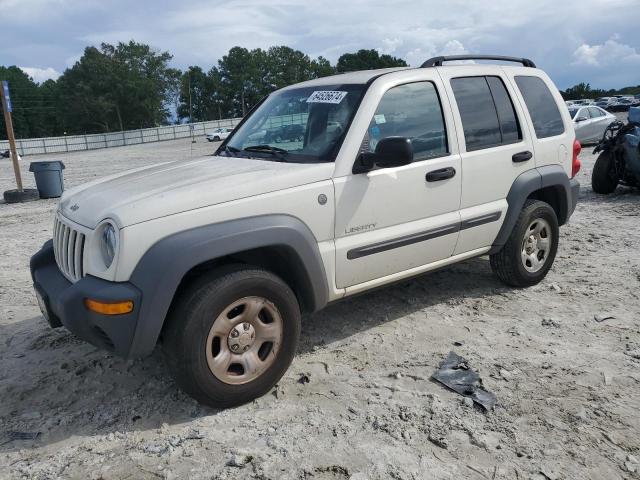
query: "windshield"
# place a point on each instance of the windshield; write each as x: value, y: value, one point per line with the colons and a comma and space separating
x: 303, y: 125
x: 573, y: 111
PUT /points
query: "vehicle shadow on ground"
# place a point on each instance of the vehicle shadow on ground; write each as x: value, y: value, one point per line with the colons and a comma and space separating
x: 60, y: 386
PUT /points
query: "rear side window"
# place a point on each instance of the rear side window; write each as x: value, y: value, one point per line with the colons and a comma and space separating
x: 487, y: 113
x: 595, y: 112
x: 509, y: 126
x: 542, y: 107
x: 584, y: 113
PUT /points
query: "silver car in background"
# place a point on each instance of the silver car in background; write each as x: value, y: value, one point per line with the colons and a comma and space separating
x: 219, y: 134
x: 590, y: 122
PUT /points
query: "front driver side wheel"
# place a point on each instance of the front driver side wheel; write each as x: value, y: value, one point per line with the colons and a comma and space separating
x: 531, y: 248
x: 232, y: 335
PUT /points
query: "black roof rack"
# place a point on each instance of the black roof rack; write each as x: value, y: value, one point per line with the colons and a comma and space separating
x: 437, y: 61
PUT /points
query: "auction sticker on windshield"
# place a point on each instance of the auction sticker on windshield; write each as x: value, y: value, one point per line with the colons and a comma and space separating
x: 326, y: 96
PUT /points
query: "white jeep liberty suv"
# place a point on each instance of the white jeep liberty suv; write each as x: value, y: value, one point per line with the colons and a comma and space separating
x: 326, y: 189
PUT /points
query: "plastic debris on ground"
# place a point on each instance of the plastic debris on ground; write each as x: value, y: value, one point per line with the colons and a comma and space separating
x: 454, y: 372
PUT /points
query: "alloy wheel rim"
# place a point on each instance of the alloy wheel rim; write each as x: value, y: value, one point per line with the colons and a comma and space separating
x: 244, y: 340
x: 536, y: 245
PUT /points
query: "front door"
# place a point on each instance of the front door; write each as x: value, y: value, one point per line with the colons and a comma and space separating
x: 394, y: 219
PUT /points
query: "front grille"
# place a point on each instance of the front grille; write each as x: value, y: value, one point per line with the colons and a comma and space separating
x: 68, y: 246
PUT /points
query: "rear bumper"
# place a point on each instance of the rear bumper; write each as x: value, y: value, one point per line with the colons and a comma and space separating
x: 574, y: 192
x: 62, y: 303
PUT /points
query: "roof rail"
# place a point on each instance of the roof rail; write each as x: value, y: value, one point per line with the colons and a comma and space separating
x: 437, y: 61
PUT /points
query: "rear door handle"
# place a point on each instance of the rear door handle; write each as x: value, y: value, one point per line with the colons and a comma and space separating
x: 522, y: 156
x: 440, y: 174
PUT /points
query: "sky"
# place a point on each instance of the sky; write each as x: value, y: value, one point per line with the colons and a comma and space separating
x: 595, y: 41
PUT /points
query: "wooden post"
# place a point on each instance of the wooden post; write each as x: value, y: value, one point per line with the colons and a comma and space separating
x: 12, y: 139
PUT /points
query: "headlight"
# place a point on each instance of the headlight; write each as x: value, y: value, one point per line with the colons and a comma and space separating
x: 108, y: 244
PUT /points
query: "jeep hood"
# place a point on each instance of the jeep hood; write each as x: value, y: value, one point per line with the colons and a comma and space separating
x: 165, y: 189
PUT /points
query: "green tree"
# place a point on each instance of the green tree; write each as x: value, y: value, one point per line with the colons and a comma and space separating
x: 120, y: 87
x: 197, y: 95
x: 322, y: 68
x: 367, y: 60
x: 581, y: 90
x: 30, y: 107
x: 246, y: 76
x: 242, y: 72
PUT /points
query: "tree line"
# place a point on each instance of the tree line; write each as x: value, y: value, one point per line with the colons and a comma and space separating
x: 131, y: 85
x: 584, y: 90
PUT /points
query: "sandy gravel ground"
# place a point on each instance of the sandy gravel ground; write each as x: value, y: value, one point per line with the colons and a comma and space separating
x: 567, y: 385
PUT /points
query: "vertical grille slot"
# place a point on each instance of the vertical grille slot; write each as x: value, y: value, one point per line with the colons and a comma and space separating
x: 68, y: 248
x: 77, y: 256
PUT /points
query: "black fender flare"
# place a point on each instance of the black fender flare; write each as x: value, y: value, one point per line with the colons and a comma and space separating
x: 529, y: 182
x: 161, y: 269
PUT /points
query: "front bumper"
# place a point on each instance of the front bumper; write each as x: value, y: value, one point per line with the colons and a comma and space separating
x: 62, y: 303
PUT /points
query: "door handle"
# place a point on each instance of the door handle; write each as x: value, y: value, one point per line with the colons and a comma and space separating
x: 522, y: 156
x: 440, y: 174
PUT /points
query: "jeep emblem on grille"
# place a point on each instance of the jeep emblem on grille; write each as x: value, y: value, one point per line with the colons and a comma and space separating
x: 74, y: 207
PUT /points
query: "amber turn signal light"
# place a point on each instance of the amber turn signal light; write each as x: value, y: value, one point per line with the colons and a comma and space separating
x: 116, y: 308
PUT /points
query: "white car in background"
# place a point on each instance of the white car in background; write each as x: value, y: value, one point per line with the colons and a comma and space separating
x: 219, y: 134
x: 590, y: 122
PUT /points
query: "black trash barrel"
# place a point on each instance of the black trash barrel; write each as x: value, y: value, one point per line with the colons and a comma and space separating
x: 49, y: 179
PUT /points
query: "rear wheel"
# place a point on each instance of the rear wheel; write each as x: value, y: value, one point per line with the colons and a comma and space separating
x: 232, y: 335
x: 604, y: 178
x: 531, y: 248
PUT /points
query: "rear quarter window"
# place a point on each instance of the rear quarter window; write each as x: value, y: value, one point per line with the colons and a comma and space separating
x: 544, y: 112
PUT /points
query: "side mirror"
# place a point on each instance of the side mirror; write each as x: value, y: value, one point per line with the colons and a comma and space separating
x: 390, y: 152
x: 581, y: 119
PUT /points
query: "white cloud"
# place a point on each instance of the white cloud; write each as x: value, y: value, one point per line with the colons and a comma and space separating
x: 390, y: 45
x: 199, y: 32
x: 40, y: 75
x: 611, y: 52
x: 454, y: 47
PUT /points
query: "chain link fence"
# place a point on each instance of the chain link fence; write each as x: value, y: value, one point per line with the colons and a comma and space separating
x: 74, y: 143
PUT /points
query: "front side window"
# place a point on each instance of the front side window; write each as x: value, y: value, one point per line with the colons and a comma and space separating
x: 487, y: 113
x: 302, y: 125
x: 542, y: 107
x: 413, y: 111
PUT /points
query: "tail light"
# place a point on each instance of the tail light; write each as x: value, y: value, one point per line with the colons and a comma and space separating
x: 575, y: 163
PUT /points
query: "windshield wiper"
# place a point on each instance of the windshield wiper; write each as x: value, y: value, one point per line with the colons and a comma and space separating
x: 275, y: 151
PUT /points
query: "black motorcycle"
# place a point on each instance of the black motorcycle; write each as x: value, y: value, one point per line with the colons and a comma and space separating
x: 619, y: 159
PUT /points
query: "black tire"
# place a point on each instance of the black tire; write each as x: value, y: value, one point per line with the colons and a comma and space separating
x: 216, y: 139
x: 195, y: 311
x: 26, y: 195
x: 604, y: 178
x: 508, y: 265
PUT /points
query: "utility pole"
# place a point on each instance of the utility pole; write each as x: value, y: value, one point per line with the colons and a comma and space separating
x: 6, y: 108
x: 193, y: 140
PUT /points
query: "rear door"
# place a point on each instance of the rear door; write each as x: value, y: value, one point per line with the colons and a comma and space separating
x: 600, y: 122
x: 494, y: 149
